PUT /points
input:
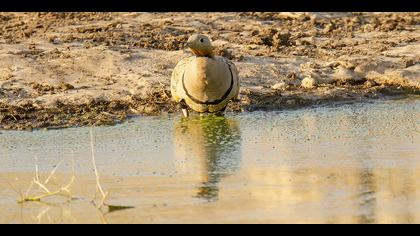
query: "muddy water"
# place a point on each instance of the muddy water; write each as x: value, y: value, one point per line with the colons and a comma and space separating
x: 346, y: 163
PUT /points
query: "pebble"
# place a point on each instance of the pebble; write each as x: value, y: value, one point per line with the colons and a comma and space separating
x: 308, y: 82
x: 279, y: 86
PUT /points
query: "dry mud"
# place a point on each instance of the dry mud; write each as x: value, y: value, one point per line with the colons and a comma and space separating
x: 72, y: 69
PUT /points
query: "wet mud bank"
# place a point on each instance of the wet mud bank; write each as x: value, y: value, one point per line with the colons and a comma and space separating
x: 28, y: 117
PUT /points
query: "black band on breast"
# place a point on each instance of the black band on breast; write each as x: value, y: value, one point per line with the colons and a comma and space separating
x: 212, y: 102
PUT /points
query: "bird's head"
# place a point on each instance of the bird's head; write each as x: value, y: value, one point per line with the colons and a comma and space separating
x: 200, y: 45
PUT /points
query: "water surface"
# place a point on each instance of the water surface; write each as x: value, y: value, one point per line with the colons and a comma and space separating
x: 343, y: 163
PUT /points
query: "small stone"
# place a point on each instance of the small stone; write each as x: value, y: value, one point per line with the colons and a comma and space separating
x: 343, y: 74
x: 308, y: 82
x: 370, y: 83
x: 329, y: 28
x: 305, y: 41
x: 279, y: 86
x: 66, y: 86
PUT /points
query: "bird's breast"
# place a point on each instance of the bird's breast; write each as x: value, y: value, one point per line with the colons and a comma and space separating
x: 207, y: 79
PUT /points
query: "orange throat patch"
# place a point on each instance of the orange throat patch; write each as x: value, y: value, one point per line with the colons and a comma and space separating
x: 200, y: 53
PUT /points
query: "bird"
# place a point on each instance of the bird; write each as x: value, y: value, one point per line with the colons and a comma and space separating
x: 204, y: 82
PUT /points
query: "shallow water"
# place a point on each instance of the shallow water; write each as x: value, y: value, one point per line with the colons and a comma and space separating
x: 346, y: 163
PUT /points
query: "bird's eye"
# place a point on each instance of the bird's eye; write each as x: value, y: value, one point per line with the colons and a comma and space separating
x: 202, y: 40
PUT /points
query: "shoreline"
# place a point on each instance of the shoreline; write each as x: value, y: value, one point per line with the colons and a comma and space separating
x: 99, y: 113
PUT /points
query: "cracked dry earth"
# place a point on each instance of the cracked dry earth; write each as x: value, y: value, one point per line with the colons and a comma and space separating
x: 72, y: 69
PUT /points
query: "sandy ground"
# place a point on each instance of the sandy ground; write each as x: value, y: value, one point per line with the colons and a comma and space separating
x: 70, y: 69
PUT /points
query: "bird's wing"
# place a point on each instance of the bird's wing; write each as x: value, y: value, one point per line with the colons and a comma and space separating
x: 234, y: 70
x: 176, y: 78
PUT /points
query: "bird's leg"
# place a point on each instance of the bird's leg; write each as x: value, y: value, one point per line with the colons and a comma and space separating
x: 185, y: 112
x: 184, y: 108
x: 221, y: 112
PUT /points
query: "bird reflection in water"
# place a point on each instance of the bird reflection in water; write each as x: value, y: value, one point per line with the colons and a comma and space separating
x: 210, y: 145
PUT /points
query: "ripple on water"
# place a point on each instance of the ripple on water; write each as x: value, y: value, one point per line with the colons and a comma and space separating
x: 354, y: 162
